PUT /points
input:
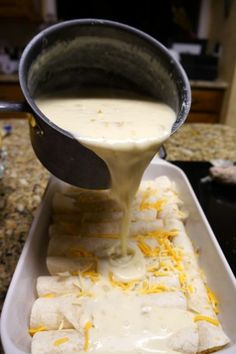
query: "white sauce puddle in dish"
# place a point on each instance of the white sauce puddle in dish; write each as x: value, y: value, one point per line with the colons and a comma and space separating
x: 126, y: 132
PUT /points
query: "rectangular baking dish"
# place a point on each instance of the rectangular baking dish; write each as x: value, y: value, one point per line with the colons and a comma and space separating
x: 21, y: 293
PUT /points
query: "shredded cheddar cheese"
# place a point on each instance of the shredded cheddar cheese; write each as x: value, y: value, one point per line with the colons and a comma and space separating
x: 162, y: 234
x: 179, y: 267
x: 91, y: 274
x: 32, y: 331
x: 87, y: 327
x: 186, y: 288
x: 79, y: 252
x: 48, y: 295
x: 60, y: 341
x: 148, y: 288
x: 190, y: 289
x: 123, y: 285
x: 89, y: 267
x: 206, y: 318
x: 147, y: 250
x: 213, y: 300
x: 160, y: 273
x: 182, y: 279
x: 85, y: 293
x: 153, y: 267
x: 61, y: 325
x: 158, y: 205
x: 173, y: 251
x: 164, y: 267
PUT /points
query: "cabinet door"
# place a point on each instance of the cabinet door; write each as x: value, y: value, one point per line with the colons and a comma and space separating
x: 20, y: 10
x: 11, y: 92
x: 202, y: 117
x: 207, y: 100
x: 206, y: 105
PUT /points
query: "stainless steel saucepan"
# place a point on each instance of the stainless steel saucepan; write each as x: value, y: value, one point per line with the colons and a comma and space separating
x: 92, y: 53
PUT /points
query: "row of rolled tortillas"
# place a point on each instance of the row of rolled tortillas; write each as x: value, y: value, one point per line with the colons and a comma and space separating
x: 66, y: 298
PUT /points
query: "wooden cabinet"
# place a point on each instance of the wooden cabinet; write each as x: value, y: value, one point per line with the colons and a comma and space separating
x: 11, y: 91
x: 206, y: 105
x: 20, y: 10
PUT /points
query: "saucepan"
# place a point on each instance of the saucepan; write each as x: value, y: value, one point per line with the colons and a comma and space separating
x: 92, y: 53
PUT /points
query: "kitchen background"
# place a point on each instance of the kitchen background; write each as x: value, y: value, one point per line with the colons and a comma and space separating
x: 200, y: 33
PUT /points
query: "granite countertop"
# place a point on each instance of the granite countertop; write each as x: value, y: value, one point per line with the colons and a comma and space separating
x: 25, y: 179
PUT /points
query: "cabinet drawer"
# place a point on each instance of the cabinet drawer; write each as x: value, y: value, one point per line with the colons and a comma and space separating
x: 202, y: 117
x: 20, y: 10
x: 11, y: 92
x: 207, y: 100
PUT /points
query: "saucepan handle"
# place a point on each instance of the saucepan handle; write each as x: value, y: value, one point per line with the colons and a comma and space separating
x: 162, y: 152
x: 7, y: 106
x: 11, y: 107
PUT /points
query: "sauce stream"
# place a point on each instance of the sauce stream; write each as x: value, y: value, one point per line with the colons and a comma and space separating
x: 125, y: 131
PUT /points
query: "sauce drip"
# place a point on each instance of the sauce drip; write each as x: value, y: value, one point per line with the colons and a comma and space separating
x: 125, y: 131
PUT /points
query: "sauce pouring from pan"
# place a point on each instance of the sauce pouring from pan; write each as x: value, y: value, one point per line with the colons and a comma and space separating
x: 124, y: 130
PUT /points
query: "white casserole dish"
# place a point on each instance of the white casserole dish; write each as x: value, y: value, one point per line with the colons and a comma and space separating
x: 22, y: 293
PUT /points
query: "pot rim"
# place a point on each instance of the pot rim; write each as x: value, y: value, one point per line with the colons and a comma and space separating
x: 185, y: 106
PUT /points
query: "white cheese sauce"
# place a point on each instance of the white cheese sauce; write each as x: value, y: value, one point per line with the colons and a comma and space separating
x: 125, y: 131
x: 130, y: 323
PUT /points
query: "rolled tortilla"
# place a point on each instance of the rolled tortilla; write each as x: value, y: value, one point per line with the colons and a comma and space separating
x: 142, y: 227
x: 101, y: 228
x: 46, y: 312
x: 66, y: 312
x: 66, y: 208
x: 97, y: 203
x: 85, y: 195
x: 57, y: 342
x: 113, y: 228
x: 60, y: 285
x: 109, y: 216
x: 171, y: 210
x: 101, y: 200
x: 180, y: 330
x: 68, y: 266
x: 68, y: 218
x: 62, y: 204
x: 162, y: 183
x: 69, y: 342
x: 83, y: 202
x: 211, y: 337
x: 167, y: 299
x: 57, y: 285
x: 64, y: 228
x: 86, y: 247
x: 171, y: 281
x: 160, y: 188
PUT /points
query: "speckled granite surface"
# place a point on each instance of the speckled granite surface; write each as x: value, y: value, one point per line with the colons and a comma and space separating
x: 202, y: 142
x: 25, y: 179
